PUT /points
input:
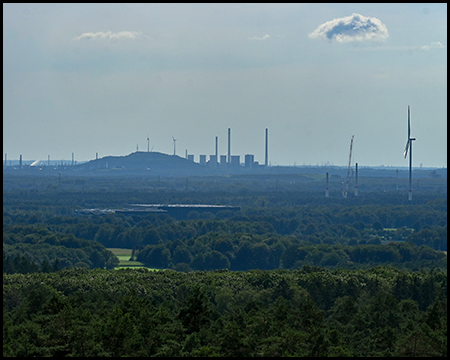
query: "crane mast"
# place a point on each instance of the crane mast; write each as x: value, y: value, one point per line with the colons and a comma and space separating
x: 345, y: 190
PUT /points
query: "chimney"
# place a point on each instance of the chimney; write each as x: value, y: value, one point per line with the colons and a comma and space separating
x: 217, y: 151
x: 267, y: 148
x: 229, y: 146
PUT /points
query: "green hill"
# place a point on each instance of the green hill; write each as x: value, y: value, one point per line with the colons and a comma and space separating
x: 150, y: 163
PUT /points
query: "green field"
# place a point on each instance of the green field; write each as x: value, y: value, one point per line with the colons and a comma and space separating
x: 124, y: 259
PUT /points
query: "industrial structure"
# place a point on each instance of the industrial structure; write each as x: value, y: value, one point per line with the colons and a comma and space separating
x: 177, y: 211
x: 229, y: 145
x: 215, y: 161
x: 409, y: 146
x: 345, y: 188
x: 266, y: 158
x: 174, y: 146
x: 217, y: 152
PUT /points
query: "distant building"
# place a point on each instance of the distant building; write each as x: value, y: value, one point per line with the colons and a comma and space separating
x: 249, y: 161
x: 223, y: 160
x: 235, y: 161
x: 213, y: 161
x: 203, y: 159
x: 190, y: 157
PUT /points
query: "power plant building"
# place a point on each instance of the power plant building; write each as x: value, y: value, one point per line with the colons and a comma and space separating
x: 213, y: 161
x: 223, y: 160
x: 235, y: 161
x: 249, y: 161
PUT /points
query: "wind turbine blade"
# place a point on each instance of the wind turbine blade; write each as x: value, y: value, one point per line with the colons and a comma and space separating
x: 405, y: 153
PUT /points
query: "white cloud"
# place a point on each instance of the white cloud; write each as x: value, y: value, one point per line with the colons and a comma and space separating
x: 433, y: 45
x: 109, y: 35
x: 265, y: 37
x: 355, y: 27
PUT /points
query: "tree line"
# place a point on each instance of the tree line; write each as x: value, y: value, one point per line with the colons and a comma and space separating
x: 29, y: 248
x: 311, y: 311
x: 256, y: 237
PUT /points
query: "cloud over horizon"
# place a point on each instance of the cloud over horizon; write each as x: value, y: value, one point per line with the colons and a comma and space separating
x: 109, y: 35
x: 433, y: 45
x: 265, y: 37
x: 355, y: 27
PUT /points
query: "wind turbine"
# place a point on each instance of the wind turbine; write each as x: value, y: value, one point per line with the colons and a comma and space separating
x: 344, y: 191
x: 174, y: 145
x: 409, y: 146
x: 148, y: 144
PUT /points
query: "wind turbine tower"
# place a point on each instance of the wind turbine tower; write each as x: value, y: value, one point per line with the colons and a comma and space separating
x: 345, y: 190
x: 174, y: 146
x: 148, y: 144
x: 409, y: 146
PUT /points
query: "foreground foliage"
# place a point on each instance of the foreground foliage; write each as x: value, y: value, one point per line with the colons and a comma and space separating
x: 312, y: 311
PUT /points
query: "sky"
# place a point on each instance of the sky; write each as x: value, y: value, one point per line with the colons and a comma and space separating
x: 109, y: 79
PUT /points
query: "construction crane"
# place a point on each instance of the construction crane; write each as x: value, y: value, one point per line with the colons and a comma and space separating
x: 345, y: 189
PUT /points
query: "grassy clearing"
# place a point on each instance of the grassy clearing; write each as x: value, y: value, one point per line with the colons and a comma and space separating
x: 124, y: 259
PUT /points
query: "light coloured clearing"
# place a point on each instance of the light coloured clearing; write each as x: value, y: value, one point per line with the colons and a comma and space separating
x: 124, y: 260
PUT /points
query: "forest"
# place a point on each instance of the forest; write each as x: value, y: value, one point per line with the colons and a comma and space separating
x: 380, y: 311
x: 291, y: 274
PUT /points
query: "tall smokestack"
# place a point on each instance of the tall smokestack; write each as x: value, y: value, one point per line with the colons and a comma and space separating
x: 73, y: 162
x: 327, y: 194
x: 20, y: 162
x: 267, y: 148
x: 217, y: 151
x: 356, y: 179
x: 229, y: 146
x: 96, y: 156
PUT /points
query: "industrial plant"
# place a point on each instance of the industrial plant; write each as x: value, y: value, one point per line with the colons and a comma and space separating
x: 215, y: 161
x: 230, y: 161
x: 151, y: 163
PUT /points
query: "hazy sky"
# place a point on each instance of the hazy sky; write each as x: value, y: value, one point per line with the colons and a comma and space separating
x: 100, y: 78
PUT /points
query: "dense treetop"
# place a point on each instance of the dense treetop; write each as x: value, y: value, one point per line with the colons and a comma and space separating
x: 307, y: 312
